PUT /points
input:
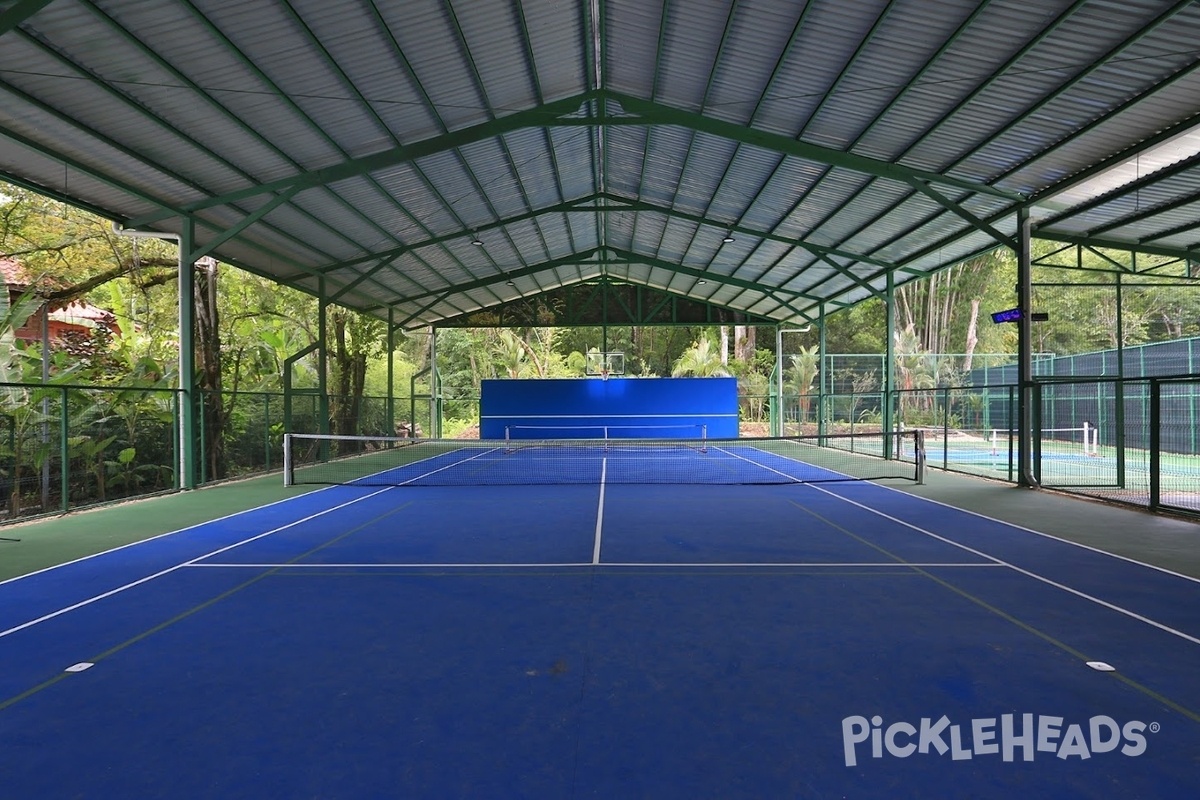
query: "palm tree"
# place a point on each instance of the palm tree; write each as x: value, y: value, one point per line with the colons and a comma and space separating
x: 915, y: 370
x: 701, y: 361
x: 510, y: 353
x: 802, y: 373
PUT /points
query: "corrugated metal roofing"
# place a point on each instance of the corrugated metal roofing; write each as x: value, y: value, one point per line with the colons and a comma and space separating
x: 834, y: 142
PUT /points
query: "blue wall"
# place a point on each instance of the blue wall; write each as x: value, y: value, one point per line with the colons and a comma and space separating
x: 635, y: 408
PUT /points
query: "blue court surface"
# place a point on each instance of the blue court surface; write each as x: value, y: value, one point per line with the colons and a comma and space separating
x: 601, y: 641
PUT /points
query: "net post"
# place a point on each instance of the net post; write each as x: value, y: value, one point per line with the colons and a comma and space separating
x: 703, y: 438
x: 919, y: 454
x: 288, y: 477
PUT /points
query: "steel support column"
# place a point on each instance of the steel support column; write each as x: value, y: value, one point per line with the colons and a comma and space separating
x: 391, y: 372
x: 824, y: 401
x: 1119, y: 386
x: 888, y: 401
x: 1025, y: 387
x: 322, y: 359
x: 187, y: 355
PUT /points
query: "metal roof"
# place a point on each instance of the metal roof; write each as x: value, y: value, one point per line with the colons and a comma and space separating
x: 427, y: 159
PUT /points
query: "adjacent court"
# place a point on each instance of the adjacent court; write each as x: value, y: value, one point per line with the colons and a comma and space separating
x: 601, y: 638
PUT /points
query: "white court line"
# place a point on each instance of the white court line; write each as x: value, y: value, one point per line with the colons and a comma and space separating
x: 1050, y: 536
x: 576, y: 564
x: 292, y: 499
x: 440, y: 469
x: 1027, y: 573
x: 600, y: 511
x: 797, y: 462
x: 189, y: 563
x: 386, y: 470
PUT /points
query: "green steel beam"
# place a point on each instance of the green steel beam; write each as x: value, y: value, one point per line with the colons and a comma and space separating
x: 54, y: 194
x: 19, y: 12
x: 652, y: 113
x: 146, y: 115
x: 242, y: 224
x: 620, y: 204
x: 253, y: 69
x: 967, y: 216
x: 1176, y: 231
x: 83, y: 169
x: 438, y: 299
x: 815, y: 249
x: 1125, y: 190
x: 547, y: 114
x: 1112, y: 244
x: 648, y: 113
x: 503, y: 276
x: 619, y: 257
x: 1005, y: 69
x: 1100, y: 62
x: 392, y: 253
x: 365, y: 276
x: 729, y: 280
x: 608, y: 295
x: 1153, y: 211
x: 847, y: 272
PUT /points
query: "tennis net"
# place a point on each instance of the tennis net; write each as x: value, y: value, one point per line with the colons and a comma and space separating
x: 999, y: 444
x: 387, y: 461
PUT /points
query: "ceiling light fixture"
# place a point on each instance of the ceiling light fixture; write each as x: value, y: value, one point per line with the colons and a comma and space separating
x: 702, y: 282
x: 728, y: 239
x: 476, y: 242
x: 511, y: 283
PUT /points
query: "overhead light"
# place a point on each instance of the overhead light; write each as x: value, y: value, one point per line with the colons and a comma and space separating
x: 510, y: 283
x: 702, y: 282
x: 728, y: 238
x: 476, y: 242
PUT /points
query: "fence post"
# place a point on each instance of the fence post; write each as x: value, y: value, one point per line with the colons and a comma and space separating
x: 201, y: 395
x: 945, y: 427
x: 64, y: 430
x: 267, y: 430
x: 1155, y: 444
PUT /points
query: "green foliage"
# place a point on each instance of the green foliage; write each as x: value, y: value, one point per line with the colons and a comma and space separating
x: 701, y: 360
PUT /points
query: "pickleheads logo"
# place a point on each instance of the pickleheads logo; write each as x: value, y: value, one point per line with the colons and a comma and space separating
x: 1029, y: 734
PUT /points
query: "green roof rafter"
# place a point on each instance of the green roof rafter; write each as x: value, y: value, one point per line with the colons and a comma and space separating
x: 551, y: 114
x: 729, y: 280
x: 646, y: 112
x: 547, y: 114
x: 385, y: 257
x: 648, y: 305
x: 19, y: 12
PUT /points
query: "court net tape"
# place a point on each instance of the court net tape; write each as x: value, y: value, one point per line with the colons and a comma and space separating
x: 389, y: 461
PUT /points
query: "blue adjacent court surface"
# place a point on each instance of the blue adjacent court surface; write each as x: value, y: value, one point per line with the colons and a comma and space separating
x: 601, y: 640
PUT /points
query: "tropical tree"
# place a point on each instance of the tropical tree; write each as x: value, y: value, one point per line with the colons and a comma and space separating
x: 510, y: 353
x: 802, y: 372
x: 701, y: 360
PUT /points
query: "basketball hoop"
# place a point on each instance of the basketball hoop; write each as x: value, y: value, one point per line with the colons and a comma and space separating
x: 601, y: 365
